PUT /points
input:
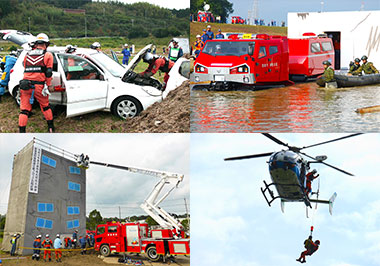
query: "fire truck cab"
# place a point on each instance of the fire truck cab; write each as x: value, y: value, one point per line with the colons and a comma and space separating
x: 115, y: 237
x: 251, y: 60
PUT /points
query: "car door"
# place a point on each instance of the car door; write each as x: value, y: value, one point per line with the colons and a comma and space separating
x: 177, y: 75
x: 86, y: 86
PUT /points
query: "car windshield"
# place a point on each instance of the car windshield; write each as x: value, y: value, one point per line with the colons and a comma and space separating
x: 232, y: 48
x: 108, y: 63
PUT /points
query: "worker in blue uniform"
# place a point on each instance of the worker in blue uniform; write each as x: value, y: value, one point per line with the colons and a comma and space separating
x: 126, y: 54
x: 220, y: 35
x: 6, y: 65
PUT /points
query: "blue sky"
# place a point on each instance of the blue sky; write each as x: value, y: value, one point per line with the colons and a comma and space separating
x: 233, y: 225
x: 278, y: 9
x: 109, y: 188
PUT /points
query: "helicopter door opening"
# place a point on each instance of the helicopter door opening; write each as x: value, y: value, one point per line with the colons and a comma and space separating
x: 335, y: 36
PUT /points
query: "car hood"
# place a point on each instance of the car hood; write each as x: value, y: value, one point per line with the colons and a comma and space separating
x: 18, y: 37
x: 136, y: 59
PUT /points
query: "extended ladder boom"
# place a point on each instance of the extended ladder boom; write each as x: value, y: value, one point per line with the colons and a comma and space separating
x: 151, y: 203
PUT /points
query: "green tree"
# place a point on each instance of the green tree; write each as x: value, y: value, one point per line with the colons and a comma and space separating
x: 186, y: 224
x: 94, y: 218
x: 222, y: 8
x: 150, y: 221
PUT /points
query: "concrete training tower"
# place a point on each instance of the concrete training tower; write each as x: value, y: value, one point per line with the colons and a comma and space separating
x: 47, y: 195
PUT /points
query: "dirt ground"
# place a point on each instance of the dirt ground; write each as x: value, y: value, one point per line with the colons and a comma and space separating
x: 91, y: 259
x: 172, y: 115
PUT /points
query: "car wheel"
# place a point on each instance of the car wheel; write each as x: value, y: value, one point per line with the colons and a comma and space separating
x: 151, y: 252
x: 105, y: 250
x: 17, y: 95
x: 126, y: 107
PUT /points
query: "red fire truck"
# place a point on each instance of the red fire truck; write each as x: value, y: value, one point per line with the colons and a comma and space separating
x: 136, y: 238
x: 237, y: 20
x: 259, y: 60
x: 205, y: 16
x: 170, y: 239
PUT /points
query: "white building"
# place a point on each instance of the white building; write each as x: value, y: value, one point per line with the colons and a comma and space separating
x: 356, y: 32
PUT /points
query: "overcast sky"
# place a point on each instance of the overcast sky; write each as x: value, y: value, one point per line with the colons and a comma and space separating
x: 171, y: 4
x: 278, y: 9
x: 108, y: 188
x: 233, y: 225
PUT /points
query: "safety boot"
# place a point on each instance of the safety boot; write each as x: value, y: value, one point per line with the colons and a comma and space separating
x: 50, y: 124
x: 22, y: 129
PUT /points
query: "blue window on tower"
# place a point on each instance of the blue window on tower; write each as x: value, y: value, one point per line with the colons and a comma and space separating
x: 45, y: 207
x: 44, y: 223
x: 49, y: 161
x: 74, y: 170
x: 72, y: 224
x: 74, y: 186
x: 72, y: 210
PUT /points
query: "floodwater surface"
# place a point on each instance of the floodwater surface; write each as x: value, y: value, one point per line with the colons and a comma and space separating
x: 298, y: 108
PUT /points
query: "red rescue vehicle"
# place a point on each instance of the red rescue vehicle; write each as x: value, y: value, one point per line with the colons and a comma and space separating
x: 259, y: 60
x: 205, y: 16
x: 237, y: 20
x: 136, y: 238
x: 307, y: 54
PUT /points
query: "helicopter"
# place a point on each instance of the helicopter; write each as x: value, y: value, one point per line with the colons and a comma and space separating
x: 288, y: 170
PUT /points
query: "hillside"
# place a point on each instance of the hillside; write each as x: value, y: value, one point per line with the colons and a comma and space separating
x: 197, y: 27
x: 110, y: 18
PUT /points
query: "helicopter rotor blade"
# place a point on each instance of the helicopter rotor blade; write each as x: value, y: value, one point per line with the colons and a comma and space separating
x: 275, y: 139
x: 336, y: 168
x: 325, y: 142
x: 248, y: 156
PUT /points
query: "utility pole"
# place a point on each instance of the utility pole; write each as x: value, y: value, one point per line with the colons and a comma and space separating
x: 187, y: 213
x: 85, y: 26
x: 28, y: 24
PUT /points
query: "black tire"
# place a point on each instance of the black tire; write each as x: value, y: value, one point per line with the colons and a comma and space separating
x: 151, y: 252
x: 126, y: 107
x: 105, y: 250
x: 16, y: 95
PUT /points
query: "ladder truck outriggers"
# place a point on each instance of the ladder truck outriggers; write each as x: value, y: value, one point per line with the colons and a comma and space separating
x: 132, y: 237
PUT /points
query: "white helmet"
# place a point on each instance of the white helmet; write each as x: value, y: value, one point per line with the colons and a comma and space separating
x: 175, y: 40
x: 58, y: 235
x: 42, y: 38
x: 39, y: 236
x: 14, y: 53
x: 95, y: 45
x: 14, y: 234
x: 147, y: 57
x: 70, y: 49
x: 198, y: 36
x: 47, y: 236
x: 126, y: 44
x: 314, y: 171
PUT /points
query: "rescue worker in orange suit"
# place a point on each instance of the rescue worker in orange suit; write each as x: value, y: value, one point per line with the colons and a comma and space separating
x: 198, y: 45
x: 48, y: 244
x: 311, y: 247
x: 309, y: 179
x: 155, y: 64
x: 37, y: 245
x: 38, y: 73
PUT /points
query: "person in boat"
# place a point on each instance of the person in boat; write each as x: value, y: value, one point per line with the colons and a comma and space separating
x: 355, y: 66
x: 328, y: 75
x: 366, y: 67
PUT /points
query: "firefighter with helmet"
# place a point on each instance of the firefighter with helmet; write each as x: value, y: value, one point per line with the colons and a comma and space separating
x: 126, y: 54
x: 355, y: 66
x: 157, y: 63
x: 37, y: 246
x: 47, y: 244
x: 175, y: 51
x: 13, y: 242
x: 6, y: 65
x: 309, y: 179
x: 57, y: 248
x: 311, y: 247
x: 366, y: 67
x: 38, y: 74
x: 198, y: 45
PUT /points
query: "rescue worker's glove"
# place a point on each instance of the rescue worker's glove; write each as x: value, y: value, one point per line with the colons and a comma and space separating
x: 45, y: 91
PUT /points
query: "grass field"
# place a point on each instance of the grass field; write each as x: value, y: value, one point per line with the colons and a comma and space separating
x: 197, y: 27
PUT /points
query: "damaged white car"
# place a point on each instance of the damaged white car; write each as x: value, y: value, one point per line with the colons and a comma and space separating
x: 93, y: 81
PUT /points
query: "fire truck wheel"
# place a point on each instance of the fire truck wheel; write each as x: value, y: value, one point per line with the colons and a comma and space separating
x: 152, y: 254
x: 105, y: 250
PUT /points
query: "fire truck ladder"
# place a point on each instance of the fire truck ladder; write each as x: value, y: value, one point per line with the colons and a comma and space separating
x: 151, y: 203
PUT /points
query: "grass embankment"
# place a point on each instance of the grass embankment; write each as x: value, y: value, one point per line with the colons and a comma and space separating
x: 197, y: 27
